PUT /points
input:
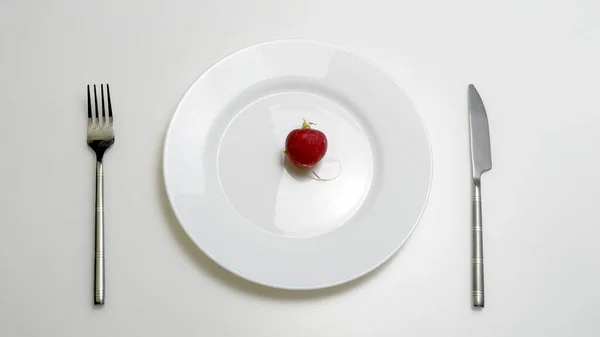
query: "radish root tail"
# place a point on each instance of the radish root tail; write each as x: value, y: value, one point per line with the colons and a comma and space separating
x: 332, y: 178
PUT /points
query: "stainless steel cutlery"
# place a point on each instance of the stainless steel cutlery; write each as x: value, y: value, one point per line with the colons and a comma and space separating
x: 481, y: 160
x: 100, y: 137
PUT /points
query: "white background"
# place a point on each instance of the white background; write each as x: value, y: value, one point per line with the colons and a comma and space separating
x: 535, y: 63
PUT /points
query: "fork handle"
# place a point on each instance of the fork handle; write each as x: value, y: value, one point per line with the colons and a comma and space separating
x: 99, y: 237
x: 477, y: 262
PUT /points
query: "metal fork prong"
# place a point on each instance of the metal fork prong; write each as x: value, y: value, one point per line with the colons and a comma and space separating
x: 102, y: 97
x: 89, y: 103
x: 109, y: 103
x: 96, y: 106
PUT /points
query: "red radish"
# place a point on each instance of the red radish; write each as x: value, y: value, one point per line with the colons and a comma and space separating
x: 305, y: 147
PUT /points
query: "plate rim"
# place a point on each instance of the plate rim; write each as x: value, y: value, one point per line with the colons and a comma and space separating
x: 279, y: 286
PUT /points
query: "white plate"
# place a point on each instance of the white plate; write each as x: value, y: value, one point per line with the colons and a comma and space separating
x: 268, y: 222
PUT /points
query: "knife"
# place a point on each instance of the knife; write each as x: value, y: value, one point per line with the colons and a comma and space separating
x: 481, y: 161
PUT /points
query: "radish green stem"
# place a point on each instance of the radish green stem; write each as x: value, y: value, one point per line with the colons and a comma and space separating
x: 307, y: 125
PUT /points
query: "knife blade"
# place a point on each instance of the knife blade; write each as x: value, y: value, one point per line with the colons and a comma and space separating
x: 481, y: 153
x: 481, y: 161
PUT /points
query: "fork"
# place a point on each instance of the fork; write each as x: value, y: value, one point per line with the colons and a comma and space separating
x: 100, y: 136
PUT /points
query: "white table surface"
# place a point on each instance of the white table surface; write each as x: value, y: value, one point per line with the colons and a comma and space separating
x: 535, y: 63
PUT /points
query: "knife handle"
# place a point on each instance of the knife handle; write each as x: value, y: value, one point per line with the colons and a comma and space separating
x: 478, y: 292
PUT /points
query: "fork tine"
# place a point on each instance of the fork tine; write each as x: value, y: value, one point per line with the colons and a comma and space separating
x: 96, y: 104
x: 109, y: 103
x: 89, y: 100
x: 102, y: 98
